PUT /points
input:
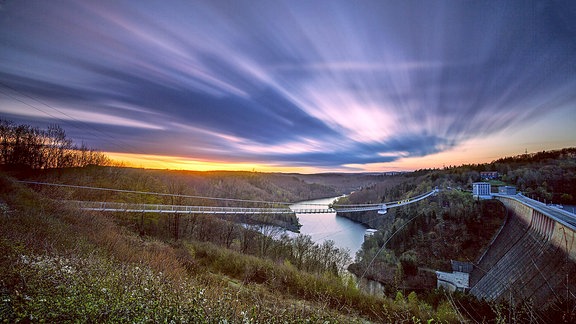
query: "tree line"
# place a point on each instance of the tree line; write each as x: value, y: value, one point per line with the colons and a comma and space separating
x: 261, y: 240
x: 549, y: 176
x: 24, y: 146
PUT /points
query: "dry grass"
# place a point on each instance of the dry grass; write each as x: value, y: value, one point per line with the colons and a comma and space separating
x: 62, y: 265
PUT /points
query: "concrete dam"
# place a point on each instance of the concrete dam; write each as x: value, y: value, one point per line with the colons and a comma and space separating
x: 531, y: 259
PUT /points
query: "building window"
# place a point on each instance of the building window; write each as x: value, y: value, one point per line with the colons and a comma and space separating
x: 481, y: 189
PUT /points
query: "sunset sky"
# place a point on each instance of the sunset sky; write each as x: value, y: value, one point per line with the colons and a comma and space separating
x: 305, y: 86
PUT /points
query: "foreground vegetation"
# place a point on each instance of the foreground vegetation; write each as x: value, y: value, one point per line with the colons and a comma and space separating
x: 61, y: 264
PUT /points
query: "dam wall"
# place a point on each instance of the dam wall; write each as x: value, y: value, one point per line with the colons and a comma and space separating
x: 533, y: 258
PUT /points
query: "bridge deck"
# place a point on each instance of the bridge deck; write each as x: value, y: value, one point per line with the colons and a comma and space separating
x: 180, y: 209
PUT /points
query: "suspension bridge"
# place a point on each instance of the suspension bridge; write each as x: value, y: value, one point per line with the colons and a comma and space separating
x: 102, y: 206
x: 181, y: 209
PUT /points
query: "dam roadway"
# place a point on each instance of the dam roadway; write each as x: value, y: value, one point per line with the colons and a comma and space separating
x: 557, y: 214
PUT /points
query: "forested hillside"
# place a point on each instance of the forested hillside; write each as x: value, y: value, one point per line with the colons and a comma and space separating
x: 215, y: 184
x: 414, y: 240
x: 548, y: 176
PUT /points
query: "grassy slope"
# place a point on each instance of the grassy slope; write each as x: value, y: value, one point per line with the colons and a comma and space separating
x: 64, y: 265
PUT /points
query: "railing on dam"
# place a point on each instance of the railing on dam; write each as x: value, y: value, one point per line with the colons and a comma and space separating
x: 559, y: 215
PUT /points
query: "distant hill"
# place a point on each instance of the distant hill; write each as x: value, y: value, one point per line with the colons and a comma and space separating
x: 224, y: 184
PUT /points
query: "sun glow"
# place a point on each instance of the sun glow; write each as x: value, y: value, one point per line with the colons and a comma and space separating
x: 148, y: 161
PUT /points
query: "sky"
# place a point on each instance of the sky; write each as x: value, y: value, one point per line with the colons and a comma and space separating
x: 299, y: 86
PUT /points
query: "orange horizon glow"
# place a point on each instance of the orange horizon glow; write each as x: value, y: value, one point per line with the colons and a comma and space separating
x: 475, y: 151
x: 150, y: 161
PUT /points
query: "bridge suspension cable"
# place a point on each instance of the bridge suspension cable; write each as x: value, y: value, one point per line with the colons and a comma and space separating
x: 128, y: 207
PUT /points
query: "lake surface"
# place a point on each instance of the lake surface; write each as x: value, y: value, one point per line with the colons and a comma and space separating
x: 344, y: 232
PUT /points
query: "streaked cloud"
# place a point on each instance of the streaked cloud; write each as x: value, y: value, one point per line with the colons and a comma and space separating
x: 323, y: 84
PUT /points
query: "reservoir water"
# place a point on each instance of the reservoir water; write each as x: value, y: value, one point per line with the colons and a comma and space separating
x: 344, y: 232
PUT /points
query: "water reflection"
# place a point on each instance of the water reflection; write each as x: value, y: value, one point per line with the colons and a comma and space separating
x: 344, y: 232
